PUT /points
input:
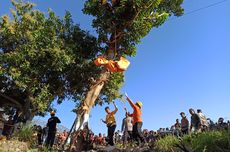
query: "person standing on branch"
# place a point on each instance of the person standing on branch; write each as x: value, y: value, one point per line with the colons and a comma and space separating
x: 137, y: 120
x: 110, y: 121
x: 52, y: 129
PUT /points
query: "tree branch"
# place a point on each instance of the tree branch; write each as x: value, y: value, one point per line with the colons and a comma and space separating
x: 11, y: 99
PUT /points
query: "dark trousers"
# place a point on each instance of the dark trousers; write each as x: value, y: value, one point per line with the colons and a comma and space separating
x: 128, y: 136
x: 39, y: 137
x: 184, y: 131
x: 137, y: 134
x: 50, y: 139
x: 111, y: 130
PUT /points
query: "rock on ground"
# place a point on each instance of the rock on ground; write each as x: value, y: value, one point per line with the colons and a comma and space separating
x: 13, y: 146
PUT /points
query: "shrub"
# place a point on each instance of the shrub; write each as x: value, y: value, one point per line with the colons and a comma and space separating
x: 167, y: 144
x: 213, y: 141
x: 26, y: 134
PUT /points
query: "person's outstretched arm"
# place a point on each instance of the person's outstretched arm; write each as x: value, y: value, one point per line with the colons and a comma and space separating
x: 116, y: 109
x: 58, y: 120
x: 130, y: 115
x: 103, y: 121
x: 130, y: 101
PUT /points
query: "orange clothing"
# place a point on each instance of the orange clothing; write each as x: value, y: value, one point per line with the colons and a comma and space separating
x: 113, y: 66
x: 136, y: 113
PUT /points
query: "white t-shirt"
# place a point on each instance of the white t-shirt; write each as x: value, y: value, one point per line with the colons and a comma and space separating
x: 203, y: 119
x: 129, y: 123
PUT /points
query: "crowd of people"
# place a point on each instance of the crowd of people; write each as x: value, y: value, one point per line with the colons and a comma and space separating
x: 44, y: 136
x: 131, y: 130
x: 195, y: 124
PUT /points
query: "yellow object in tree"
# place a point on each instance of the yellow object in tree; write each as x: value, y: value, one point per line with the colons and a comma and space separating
x: 123, y: 63
x: 100, y: 61
x: 103, y: 2
x: 113, y: 66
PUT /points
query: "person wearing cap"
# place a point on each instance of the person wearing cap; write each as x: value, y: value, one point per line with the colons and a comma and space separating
x: 137, y: 120
x: 52, y: 129
x: 184, y: 124
x: 110, y: 121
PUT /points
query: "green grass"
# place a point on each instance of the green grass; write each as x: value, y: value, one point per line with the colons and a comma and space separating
x: 213, y: 141
x: 26, y: 134
x: 167, y: 144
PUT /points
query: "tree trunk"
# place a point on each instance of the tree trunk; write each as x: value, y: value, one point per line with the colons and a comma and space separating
x: 88, y: 103
x: 28, y: 112
x: 83, y: 111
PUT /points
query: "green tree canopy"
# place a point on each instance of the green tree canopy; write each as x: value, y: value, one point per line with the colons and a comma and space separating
x: 44, y: 57
x: 123, y: 23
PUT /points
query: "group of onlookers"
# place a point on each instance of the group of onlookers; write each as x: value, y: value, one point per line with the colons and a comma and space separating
x: 49, y: 136
x: 131, y: 125
x: 196, y: 123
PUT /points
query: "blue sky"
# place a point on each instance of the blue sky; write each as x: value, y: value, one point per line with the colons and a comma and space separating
x: 184, y: 63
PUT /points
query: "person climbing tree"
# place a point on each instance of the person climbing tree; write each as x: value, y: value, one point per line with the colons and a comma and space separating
x: 52, y: 129
x: 137, y: 120
x: 110, y: 121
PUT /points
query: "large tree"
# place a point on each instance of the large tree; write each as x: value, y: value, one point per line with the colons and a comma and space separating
x: 120, y: 25
x: 36, y: 54
x: 32, y: 58
x: 44, y: 58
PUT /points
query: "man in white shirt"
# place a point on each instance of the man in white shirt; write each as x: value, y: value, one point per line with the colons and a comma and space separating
x: 127, y: 128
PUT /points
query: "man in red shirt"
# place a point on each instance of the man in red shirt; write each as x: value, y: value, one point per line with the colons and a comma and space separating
x: 137, y: 120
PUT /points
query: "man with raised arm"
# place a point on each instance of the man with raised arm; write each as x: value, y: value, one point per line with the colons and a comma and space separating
x: 110, y: 121
x: 137, y: 120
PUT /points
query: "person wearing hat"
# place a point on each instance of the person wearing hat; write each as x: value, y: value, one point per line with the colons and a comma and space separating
x: 137, y: 120
x: 184, y: 124
x: 52, y: 129
x: 110, y: 121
